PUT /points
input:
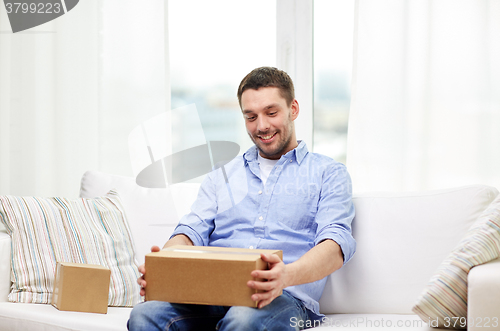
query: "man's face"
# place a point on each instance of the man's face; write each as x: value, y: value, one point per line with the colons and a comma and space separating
x: 269, y: 121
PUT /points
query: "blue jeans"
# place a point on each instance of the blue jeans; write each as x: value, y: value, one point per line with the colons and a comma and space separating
x: 284, y: 313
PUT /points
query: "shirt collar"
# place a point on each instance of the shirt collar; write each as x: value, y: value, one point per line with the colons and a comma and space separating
x: 299, y: 153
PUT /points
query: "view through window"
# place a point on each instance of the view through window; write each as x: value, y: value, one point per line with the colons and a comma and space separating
x: 212, y: 46
x: 333, y: 51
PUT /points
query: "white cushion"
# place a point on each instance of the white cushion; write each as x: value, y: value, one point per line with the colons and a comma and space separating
x: 152, y: 213
x: 42, y: 317
x: 376, y: 322
x: 401, y: 241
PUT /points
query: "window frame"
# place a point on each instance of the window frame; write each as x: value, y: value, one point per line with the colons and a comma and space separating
x: 294, y: 54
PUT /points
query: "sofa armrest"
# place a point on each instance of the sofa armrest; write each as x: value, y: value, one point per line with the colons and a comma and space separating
x: 483, y: 308
x: 4, y: 266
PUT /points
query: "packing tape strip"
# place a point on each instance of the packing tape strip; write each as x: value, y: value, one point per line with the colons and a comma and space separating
x: 213, y: 252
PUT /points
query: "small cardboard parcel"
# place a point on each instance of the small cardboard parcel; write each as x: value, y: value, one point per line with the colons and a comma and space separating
x: 203, y: 274
x: 81, y: 287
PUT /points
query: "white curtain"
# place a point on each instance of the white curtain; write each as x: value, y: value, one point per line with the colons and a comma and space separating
x: 71, y: 90
x: 294, y: 54
x: 425, y: 110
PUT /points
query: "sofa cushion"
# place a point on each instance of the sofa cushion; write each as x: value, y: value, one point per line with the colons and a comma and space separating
x: 46, y: 230
x: 402, y: 238
x: 445, y: 297
x: 153, y: 213
x: 375, y: 322
x: 28, y: 316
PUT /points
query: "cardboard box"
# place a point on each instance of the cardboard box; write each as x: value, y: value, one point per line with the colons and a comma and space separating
x: 81, y: 287
x: 203, y: 275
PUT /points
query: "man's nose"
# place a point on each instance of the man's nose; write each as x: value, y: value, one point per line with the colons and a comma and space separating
x: 262, y: 124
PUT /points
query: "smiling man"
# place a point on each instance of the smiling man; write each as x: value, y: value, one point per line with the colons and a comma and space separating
x: 269, y: 120
x: 286, y: 198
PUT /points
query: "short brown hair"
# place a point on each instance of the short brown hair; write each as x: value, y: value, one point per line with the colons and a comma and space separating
x: 268, y: 77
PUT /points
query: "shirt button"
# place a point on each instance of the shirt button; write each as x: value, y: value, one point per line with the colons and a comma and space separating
x: 260, y: 192
x: 290, y: 161
x: 251, y: 247
x: 261, y: 218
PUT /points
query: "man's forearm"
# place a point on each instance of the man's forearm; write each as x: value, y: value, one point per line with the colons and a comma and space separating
x: 319, y: 262
x: 179, y: 239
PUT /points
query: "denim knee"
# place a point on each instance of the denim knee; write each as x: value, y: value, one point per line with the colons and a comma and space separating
x: 144, y: 316
x: 158, y: 315
x: 276, y: 316
x: 239, y: 318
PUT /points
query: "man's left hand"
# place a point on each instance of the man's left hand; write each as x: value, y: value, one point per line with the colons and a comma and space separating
x: 274, y: 280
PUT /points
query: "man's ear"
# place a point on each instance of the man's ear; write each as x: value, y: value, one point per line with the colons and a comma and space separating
x: 295, y: 109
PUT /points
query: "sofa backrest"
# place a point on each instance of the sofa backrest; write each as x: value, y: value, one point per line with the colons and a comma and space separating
x: 401, y: 241
x: 152, y: 213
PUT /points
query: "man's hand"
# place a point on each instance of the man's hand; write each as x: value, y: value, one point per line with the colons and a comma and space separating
x: 142, y: 270
x: 316, y: 264
x: 276, y: 280
x: 179, y: 239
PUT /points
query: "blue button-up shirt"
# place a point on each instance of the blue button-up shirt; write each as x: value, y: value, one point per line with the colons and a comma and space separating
x: 305, y: 200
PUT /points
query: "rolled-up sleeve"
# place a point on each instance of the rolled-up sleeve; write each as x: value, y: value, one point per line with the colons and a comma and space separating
x: 199, y: 223
x: 336, y: 210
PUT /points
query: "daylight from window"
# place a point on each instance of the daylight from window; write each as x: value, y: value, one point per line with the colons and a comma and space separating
x: 333, y: 35
x: 211, y: 49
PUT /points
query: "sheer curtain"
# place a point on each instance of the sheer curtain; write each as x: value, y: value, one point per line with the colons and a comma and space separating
x: 425, y: 110
x: 71, y: 91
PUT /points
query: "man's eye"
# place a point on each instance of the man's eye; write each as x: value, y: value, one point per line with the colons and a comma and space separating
x: 273, y: 113
x: 251, y: 118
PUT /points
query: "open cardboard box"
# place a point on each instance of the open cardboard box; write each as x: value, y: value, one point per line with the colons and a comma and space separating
x: 203, y: 274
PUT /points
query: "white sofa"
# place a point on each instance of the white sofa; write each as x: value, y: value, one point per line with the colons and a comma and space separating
x: 402, y: 239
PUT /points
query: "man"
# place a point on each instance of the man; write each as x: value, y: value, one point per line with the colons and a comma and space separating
x: 276, y: 196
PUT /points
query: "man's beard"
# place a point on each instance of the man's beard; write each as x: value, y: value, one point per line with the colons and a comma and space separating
x: 282, y: 144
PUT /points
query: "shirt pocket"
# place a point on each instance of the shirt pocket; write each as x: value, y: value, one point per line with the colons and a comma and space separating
x: 297, y: 211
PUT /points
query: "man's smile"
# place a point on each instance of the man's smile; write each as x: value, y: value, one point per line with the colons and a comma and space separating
x: 268, y: 138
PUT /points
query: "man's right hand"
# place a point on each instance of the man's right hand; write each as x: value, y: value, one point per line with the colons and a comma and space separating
x: 179, y: 239
x: 142, y: 269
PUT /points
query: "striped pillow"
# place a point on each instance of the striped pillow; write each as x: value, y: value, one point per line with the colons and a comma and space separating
x: 445, y: 296
x: 47, y: 230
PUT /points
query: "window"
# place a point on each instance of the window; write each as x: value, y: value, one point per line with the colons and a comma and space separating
x: 212, y: 46
x: 333, y: 50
